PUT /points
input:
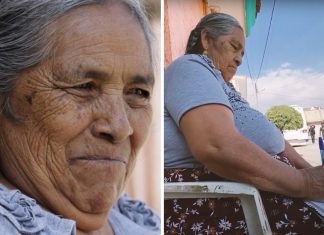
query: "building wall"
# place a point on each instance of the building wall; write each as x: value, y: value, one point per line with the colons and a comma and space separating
x: 240, y: 84
x: 182, y: 16
x: 231, y: 7
x: 314, y: 115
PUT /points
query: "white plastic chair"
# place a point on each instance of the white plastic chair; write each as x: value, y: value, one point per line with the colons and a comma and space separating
x: 255, y: 216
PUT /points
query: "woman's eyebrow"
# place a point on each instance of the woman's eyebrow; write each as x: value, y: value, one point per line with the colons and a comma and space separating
x: 138, y: 79
x: 95, y: 74
x: 101, y: 75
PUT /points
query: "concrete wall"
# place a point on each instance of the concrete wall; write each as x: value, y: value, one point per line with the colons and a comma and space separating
x: 231, y: 7
x: 182, y: 17
x: 240, y: 84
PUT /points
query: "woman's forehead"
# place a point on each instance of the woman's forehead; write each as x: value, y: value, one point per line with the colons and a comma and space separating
x: 236, y: 36
x: 95, y: 24
x: 100, y: 39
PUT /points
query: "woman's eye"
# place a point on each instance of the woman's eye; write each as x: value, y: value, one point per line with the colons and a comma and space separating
x: 140, y: 92
x: 85, y: 86
x: 234, y: 47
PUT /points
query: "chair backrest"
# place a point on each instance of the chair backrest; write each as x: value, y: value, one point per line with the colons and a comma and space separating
x: 255, y: 216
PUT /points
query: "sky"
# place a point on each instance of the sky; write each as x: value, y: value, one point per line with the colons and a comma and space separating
x: 292, y: 72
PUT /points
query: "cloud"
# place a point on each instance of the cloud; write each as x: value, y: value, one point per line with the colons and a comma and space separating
x: 285, y: 65
x: 303, y: 87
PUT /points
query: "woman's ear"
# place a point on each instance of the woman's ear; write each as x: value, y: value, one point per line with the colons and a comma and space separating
x: 204, y: 40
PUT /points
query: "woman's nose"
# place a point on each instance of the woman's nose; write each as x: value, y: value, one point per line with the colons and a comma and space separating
x: 113, y: 123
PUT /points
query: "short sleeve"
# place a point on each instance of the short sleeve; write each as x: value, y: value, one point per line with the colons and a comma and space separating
x: 134, y: 217
x: 190, y: 82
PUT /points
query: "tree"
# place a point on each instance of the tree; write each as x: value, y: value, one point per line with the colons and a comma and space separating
x: 285, y: 117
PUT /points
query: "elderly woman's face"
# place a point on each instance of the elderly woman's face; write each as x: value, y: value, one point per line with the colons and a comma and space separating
x: 227, y: 52
x: 83, y: 113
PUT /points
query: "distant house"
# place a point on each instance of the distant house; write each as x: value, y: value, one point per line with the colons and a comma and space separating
x: 314, y: 115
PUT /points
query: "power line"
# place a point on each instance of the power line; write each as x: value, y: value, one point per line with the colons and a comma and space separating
x: 254, y: 81
x: 265, y: 47
x: 248, y: 64
x: 266, y: 44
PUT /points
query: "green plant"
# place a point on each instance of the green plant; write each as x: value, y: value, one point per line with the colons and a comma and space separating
x: 285, y: 117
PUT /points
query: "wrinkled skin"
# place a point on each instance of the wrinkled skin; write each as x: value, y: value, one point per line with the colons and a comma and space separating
x: 226, y: 51
x: 81, y: 115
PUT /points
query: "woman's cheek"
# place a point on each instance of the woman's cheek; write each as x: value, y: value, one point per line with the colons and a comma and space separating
x: 141, y: 120
x: 63, y: 119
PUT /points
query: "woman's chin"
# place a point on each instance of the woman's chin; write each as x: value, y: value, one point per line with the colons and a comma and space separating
x: 101, y: 203
x: 89, y: 225
x: 95, y: 190
x: 99, y: 199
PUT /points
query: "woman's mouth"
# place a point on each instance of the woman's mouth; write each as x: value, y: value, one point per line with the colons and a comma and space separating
x: 99, y: 159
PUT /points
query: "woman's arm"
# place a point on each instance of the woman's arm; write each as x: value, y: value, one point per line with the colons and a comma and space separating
x: 295, y: 158
x: 213, y: 139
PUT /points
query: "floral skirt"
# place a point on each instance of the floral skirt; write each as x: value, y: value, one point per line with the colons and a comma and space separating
x: 224, y: 216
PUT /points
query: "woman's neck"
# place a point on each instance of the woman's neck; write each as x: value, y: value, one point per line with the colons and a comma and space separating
x: 6, y: 183
x: 105, y: 230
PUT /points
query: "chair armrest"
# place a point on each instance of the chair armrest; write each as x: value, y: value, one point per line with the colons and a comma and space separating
x: 222, y: 189
x: 255, y: 216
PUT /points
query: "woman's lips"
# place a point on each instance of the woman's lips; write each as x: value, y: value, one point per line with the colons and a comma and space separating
x: 100, y: 159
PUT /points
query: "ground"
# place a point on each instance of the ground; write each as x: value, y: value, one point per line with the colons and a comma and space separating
x: 310, y: 153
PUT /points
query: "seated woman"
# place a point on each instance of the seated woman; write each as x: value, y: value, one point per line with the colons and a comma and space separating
x: 211, y: 133
x: 75, y: 84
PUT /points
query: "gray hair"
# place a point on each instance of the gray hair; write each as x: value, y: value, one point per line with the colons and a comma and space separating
x: 215, y: 24
x: 26, y: 35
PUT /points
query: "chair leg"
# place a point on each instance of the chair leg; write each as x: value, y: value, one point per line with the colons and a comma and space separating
x: 255, y: 218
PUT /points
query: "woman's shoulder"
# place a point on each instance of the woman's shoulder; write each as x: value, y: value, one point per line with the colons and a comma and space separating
x: 191, y: 65
x: 133, y: 217
x: 190, y: 58
x: 20, y: 214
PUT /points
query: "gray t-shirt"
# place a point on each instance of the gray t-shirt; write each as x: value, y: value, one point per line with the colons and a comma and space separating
x: 20, y: 214
x: 192, y: 81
